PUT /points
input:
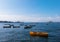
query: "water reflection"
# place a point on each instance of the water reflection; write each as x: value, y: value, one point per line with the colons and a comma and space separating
x: 38, y: 39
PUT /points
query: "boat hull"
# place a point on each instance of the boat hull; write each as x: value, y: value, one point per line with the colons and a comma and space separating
x: 41, y: 34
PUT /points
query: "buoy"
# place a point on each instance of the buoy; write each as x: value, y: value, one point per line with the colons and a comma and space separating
x: 42, y: 34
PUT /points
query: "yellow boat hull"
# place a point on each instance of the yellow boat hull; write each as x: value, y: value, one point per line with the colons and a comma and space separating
x: 42, y: 34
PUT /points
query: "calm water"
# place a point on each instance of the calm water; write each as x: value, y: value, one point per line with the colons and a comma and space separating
x: 22, y: 35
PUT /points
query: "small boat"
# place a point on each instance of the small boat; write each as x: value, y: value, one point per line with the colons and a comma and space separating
x: 41, y: 34
x: 49, y: 22
x: 7, y: 26
x: 27, y: 26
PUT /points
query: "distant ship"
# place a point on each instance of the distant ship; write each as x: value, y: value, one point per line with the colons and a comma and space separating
x: 49, y: 22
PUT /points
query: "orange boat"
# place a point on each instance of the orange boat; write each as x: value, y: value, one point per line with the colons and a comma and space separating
x: 42, y: 34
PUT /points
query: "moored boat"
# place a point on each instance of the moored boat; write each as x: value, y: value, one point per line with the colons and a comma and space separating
x: 7, y: 26
x: 27, y: 26
x: 42, y: 34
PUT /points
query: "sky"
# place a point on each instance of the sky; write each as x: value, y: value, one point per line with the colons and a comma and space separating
x: 30, y: 10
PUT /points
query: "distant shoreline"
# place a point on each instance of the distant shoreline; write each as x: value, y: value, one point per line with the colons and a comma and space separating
x: 9, y: 22
x: 26, y: 22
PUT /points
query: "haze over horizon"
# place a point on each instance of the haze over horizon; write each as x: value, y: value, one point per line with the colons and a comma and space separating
x: 30, y: 10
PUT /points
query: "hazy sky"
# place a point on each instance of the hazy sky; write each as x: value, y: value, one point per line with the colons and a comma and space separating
x: 30, y: 10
